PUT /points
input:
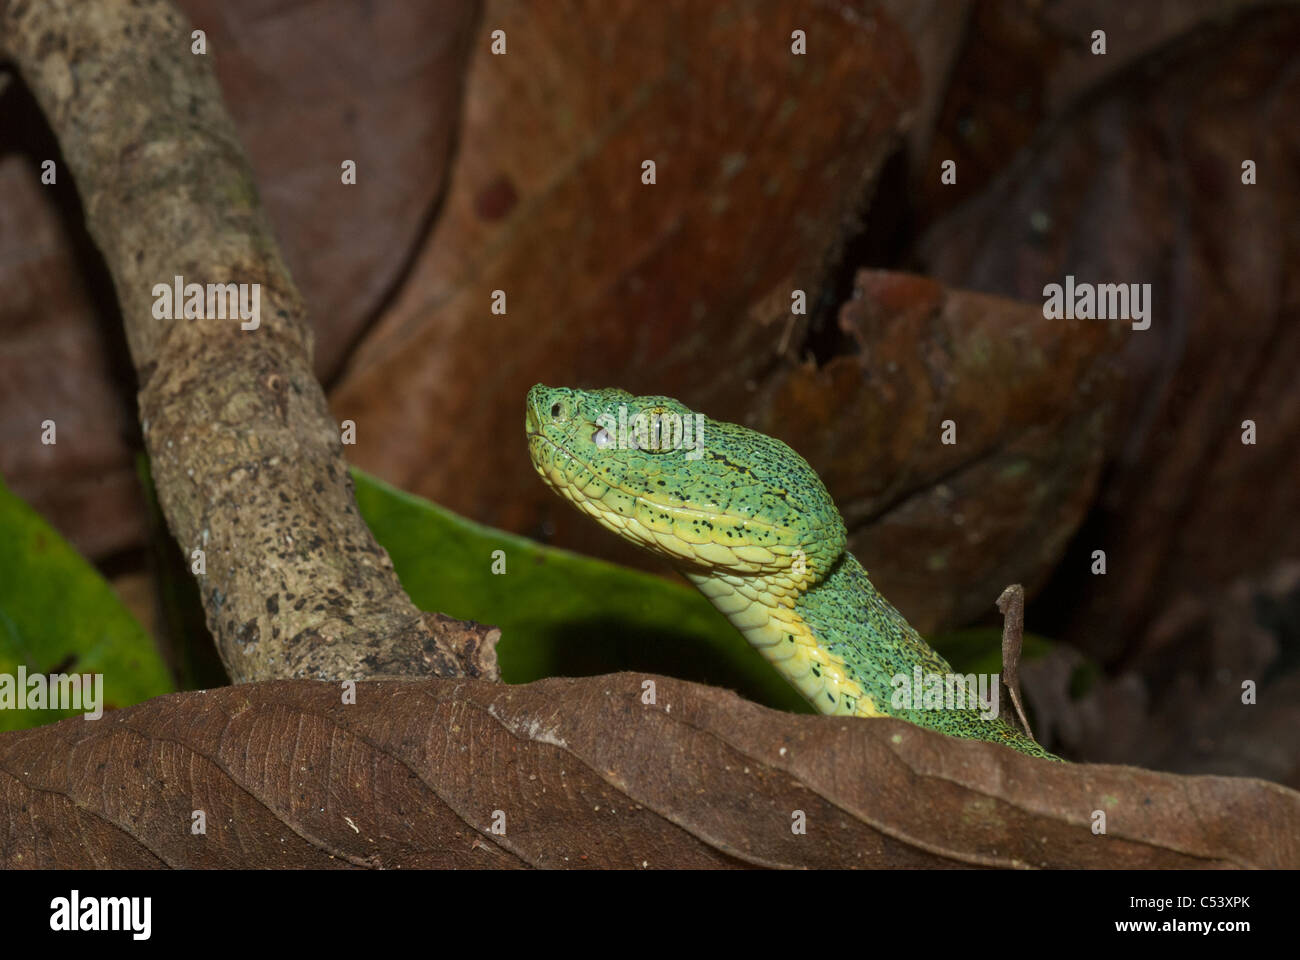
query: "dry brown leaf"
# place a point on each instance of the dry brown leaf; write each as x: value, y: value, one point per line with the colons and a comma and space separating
x: 583, y: 773
x: 684, y: 288
x: 1180, y: 708
x: 1023, y: 64
x: 1143, y: 184
x: 943, y: 527
x: 681, y: 287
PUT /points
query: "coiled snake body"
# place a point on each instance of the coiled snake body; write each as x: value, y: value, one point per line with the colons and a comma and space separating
x: 749, y: 522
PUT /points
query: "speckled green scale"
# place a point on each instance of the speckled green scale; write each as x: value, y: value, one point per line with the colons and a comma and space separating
x: 750, y: 523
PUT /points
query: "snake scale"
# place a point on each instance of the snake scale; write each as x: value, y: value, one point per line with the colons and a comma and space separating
x: 749, y: 522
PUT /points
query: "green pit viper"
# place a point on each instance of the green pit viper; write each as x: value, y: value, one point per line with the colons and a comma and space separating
x: 749, y: 522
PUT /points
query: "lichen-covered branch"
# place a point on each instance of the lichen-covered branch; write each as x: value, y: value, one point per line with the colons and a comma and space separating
x: 246, y: 457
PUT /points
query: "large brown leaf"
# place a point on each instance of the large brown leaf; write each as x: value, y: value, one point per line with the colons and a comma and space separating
x: 681, y: 287
x: 583, y: 773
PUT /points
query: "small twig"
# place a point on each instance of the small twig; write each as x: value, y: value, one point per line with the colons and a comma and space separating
x: 1012, y: 607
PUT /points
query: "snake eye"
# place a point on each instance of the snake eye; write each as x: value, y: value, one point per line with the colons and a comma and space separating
x: 601, y: 438
x: 656, y: 430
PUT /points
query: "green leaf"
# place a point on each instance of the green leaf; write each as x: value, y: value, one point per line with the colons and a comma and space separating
x: 58, y: 615
x: 562, y: 614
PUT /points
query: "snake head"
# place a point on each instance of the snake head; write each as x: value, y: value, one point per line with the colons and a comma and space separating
x: 708, y: 496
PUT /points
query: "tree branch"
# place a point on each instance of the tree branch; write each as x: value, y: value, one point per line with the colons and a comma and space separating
x: 247, y: 460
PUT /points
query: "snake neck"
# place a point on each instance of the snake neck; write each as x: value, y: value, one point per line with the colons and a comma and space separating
x: 843, y: 646
x: 819, y: 660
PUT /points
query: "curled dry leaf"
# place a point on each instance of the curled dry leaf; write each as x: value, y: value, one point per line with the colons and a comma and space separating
x: 585, y: 773
x: 944, y: 526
